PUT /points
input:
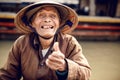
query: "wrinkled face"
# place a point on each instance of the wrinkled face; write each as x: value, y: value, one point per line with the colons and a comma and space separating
x: 46, y: 21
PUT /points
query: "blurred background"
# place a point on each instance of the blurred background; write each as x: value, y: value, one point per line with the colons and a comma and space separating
x: 98, y: 32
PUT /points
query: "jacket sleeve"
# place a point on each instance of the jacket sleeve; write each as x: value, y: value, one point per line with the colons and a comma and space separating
x: 78, y: 67
x: 12, y: 70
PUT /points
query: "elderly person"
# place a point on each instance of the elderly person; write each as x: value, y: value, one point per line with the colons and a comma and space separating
x: 46, y: 51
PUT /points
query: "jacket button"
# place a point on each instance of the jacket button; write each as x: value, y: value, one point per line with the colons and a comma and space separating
x: 41, y: 64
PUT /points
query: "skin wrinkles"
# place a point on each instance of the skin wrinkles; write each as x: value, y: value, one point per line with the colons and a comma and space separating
x: 46, y: 22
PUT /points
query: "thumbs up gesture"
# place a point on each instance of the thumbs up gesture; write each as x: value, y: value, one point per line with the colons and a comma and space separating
x: 56, y: 60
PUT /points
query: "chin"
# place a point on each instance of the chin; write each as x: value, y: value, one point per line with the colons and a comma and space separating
x: 48, y: 36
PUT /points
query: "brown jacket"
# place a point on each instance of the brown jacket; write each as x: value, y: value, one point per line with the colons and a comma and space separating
x: 23, y: 61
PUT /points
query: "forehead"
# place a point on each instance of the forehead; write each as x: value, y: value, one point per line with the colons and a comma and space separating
x: 44, y: 9
x: 49, y: 8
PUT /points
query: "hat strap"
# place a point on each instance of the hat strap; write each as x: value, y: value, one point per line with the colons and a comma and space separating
x: 24, y: 19
x: 68, y: 22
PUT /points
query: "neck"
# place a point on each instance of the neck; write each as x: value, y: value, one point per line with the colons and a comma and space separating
x: 45, y: 42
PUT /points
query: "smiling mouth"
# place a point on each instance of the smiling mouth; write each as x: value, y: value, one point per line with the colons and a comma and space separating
x: 47, y: 27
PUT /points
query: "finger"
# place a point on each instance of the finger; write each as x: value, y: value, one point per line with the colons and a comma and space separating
x: 56, y: 60
x: 51, y: 65
x: 57, y: 55
x: 60, y: 65
x: 56, y: 46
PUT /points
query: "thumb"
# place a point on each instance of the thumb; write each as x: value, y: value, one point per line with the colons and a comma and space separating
x: 56, y: 46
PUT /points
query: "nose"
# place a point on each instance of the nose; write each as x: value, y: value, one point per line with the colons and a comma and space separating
x: 47, y: 20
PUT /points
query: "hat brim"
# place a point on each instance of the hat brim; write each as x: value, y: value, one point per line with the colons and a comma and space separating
x: 65, y: 12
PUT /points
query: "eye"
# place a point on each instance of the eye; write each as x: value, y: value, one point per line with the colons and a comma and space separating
x: 53, y: 16
x: 42, y: 15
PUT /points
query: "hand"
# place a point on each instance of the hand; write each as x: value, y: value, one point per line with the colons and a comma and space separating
x: 56, y: 60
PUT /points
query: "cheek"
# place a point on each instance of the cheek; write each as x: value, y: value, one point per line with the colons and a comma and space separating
x: 57, y: 23
x: 36, y: 23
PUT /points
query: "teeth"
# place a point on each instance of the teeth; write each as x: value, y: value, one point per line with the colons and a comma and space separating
x: 47, y: 27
